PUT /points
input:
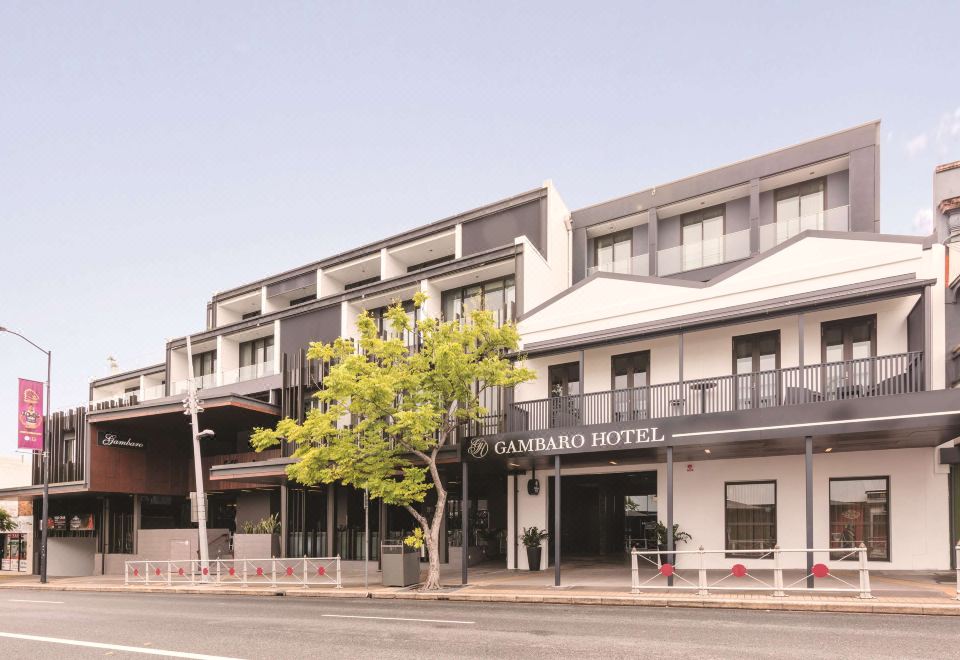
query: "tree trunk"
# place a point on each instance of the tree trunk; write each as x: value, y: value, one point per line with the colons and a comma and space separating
x: 432, y: 534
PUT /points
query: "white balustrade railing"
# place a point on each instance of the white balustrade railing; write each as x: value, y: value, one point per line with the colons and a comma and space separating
x: 709, y: 252
x: 275, y: 572
x: 638, y: 265
x: 775, y: 233
x: 668, y: 574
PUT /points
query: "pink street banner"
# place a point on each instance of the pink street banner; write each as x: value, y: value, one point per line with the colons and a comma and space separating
x: 30, y: 415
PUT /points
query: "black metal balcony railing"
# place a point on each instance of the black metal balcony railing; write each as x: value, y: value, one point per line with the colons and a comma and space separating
x: 863, y: 378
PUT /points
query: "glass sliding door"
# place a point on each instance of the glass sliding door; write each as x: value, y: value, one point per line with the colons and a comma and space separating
x: 799, y: 208
x: 612, y: 253
x: 756, y: 359
x: 847, y: 346
x: 564, y: 404
x: 702, y: 237
x: 629, y: 385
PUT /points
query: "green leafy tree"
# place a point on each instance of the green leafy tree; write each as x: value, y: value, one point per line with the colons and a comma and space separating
x: 386, y: 413
x: 7, y: 523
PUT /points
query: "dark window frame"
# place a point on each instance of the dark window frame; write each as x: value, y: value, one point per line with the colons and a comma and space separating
x: 258, y: 346
x: 755, y: 382
x: 834, y: 556
x: 846, y: 323
x: 726, y: 518
x: 460, y: 294
x: 620, y: 236
x: 795, y: 190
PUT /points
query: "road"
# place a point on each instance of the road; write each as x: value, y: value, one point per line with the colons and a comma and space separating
x: 158, y: 625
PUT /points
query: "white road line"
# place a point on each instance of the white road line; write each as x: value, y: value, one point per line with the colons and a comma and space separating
x: 391, y: 618
x: 18, y: 600
x: 115, y: 647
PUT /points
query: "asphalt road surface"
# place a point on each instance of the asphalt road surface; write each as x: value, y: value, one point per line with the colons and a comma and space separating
x: 50, y: 624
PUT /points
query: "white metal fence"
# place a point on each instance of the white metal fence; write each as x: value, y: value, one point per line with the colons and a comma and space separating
x: 305, y: 572
x: 687, y: 570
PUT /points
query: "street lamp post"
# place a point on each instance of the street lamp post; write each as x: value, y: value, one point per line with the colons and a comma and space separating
x: 192, y: 408
x: 44, y: 460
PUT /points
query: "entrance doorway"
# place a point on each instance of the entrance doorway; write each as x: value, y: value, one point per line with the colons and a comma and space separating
x: 603, y: 516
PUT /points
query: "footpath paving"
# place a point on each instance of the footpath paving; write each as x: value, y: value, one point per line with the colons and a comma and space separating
x: 899, y: 593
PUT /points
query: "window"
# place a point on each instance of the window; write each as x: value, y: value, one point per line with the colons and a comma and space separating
x: 497, y: 296
x: 799, y: 208
x: 756, y: 358
x: 303, y: 299
x: 702, y: 237
x: 256, y: 352
x: 860, y: 513
x: 250, y: 315
x: 612, y: 253
x: 69, y: 447
x: 564, y: 383
x: 385, y: 329
x: 751, y: 516
x: 430, y: 262
x: 629, y: 382
x: 846, y: 347
x: 205, y: 364
x: 360, y: 283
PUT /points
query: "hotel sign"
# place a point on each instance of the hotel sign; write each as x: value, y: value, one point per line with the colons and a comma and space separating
x: 567, y: 443
x: 107, y: 439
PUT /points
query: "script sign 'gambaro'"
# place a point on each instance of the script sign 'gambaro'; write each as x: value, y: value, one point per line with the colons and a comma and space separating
x: 480, y: 448
x: 107, y: 439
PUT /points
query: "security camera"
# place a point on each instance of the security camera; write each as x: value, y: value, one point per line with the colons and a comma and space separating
x: 206, y: 433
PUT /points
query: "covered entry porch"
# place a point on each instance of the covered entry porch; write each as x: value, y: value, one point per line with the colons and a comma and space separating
x: 829, y: 475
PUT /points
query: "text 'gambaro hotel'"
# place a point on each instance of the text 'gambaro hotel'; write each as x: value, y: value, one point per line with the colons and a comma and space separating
x: 704, y: 349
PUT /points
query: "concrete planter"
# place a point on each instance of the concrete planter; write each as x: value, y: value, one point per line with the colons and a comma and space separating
x: 256, y: 546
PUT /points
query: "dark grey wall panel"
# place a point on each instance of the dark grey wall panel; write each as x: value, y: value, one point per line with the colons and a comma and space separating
x: 668, y: 232
x: 298, y: 331
x: 737, y: 216
x: 838, y: 189
x: 640, y: 239
x: 500, y: 229
x: 864, y: 215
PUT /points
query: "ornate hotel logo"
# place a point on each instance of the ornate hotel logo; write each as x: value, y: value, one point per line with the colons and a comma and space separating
x: 478, y: 448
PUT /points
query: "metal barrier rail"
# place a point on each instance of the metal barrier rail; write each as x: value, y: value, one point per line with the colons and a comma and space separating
x: 304, y: 572
x: 702, y: 585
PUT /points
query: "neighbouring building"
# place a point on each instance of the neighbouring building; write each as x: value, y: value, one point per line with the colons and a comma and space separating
x: 16, y: 544
x: 741, y: 352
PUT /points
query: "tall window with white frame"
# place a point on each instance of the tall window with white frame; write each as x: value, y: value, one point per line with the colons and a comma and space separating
x: 613, y: 253
x: 702, y: 236
x: 798, y: 208
x: 750, y: 515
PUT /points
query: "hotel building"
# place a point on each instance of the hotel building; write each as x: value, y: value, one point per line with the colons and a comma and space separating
x: 741, y: 352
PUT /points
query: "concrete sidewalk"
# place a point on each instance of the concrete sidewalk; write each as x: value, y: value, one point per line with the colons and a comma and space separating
x: 584, y: 584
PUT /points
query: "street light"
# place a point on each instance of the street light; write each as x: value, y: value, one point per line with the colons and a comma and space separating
x: 192, y: 407
x: 45, y: 462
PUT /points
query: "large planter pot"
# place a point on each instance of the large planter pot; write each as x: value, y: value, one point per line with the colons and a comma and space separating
x: 256, y: 546
x: 533, y: 558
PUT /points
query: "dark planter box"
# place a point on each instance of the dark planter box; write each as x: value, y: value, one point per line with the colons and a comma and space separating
x: 533, y: 558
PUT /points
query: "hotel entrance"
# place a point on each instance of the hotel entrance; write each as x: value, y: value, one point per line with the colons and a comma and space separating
x: 603, y: 516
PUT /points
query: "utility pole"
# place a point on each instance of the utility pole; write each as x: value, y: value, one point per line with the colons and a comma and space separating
x: 366, y: 536
x: 192, y: 406
x: 44, y: 459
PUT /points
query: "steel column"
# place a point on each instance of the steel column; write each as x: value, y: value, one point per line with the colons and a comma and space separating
x: 670, y: 547
x: 556, y: 519
x: 465, y: 523
x: 285, y: 518
x: 808, y: 462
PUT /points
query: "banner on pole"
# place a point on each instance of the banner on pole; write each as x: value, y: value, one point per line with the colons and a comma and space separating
x: 30, y: 415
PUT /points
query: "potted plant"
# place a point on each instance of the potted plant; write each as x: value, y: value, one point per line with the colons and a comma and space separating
x: 678, y: 537
x: 532, y: 538
x: 257, y: 539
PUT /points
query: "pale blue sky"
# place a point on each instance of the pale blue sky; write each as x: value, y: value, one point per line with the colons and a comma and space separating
x: 151, y: 154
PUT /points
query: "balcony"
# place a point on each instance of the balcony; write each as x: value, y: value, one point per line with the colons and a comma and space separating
x: 854, y: 379
x: 249, y: 372
x: 709, y: 252
x: 835, y: 219
x: 129, y: 398
x: 638, y: 265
